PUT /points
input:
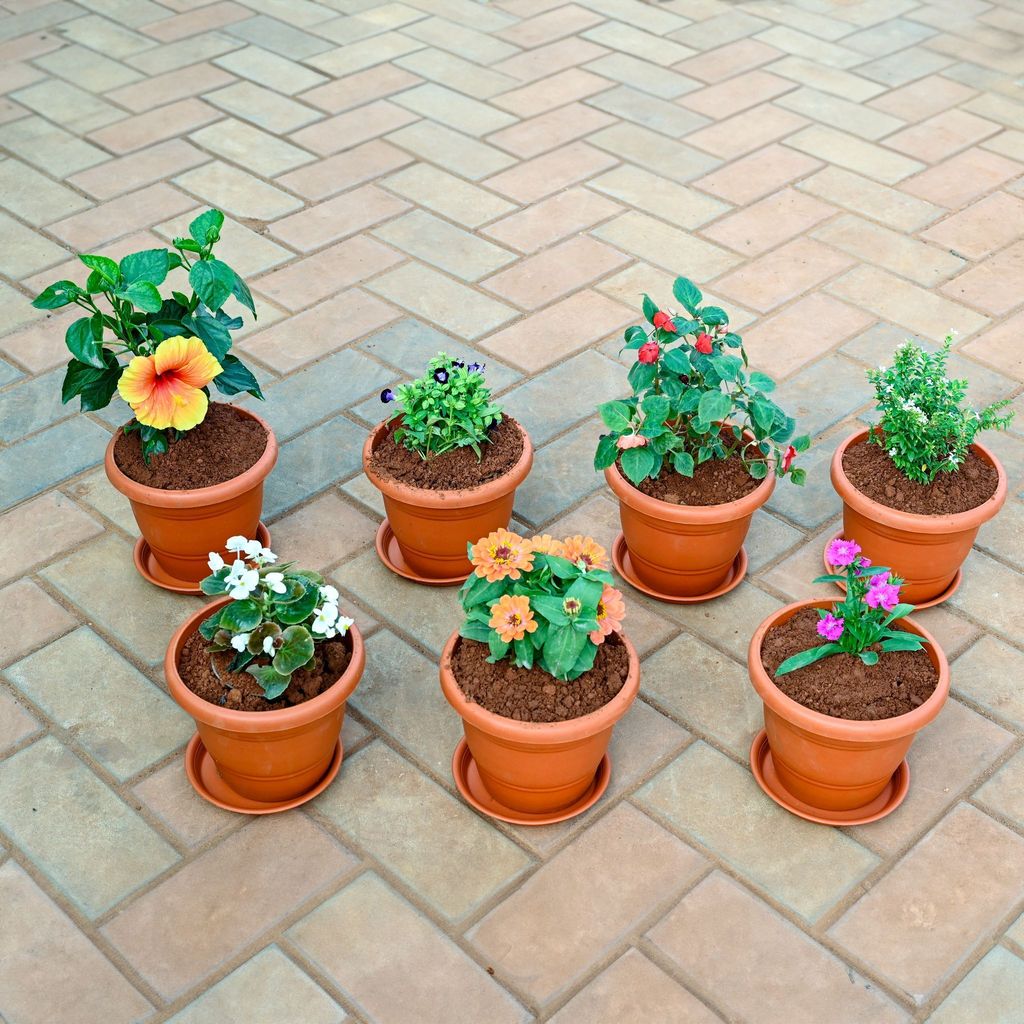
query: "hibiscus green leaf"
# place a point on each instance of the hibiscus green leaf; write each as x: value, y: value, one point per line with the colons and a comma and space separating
x: 58, y: 294
x: 105, y: 267
x: 241, y: 616
x: 205, y: 229
x: 236, y: 377
x: 240, y: 290
x: 213, y: 334
x: 145, y: 296
x: 149, y: 265
x: 83, y: 344
x: 213, y: 282
x: 273, y: 683
x: 688, y: 294
x: 295, y: 651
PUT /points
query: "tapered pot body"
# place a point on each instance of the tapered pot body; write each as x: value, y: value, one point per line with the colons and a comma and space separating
x: 183, y: 527
x: 269, y: 756
x: 432, y: 528
x: 833, y: 763
x: 537, y: 767
x: 926, y: 551
x: 683, y: 550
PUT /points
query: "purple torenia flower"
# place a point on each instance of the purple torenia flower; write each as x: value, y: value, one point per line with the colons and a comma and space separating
x: 387, y: 395
x: 881, y: 593
x: 476, y: 367
x: 841, y: 553
x: 441, y: 376
x: 831, y: 628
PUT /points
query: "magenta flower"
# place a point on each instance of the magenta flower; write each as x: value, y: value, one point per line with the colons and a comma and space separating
x: 830, y: 628
x: 841, y: 553
x: 881, y: 593
x: 863, y: 564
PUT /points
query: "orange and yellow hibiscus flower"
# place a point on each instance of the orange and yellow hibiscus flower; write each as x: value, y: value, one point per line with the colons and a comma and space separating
x: 512, y: 619
x: 164, y: 389
x: 611, y: 610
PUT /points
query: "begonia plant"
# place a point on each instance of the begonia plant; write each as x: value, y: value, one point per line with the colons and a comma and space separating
x: 541, y: 601
x: 693, y: 399
x: 276, y: 617
x: 176, y: 347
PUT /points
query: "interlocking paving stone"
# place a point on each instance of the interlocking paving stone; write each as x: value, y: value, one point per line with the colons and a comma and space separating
x: 40, y: 530
x: 16, y: 724
x: 712, y: 799
x: 986, y: 674
x: 995, y: 988
x: 32, y: 618
x: 551, y: 219
x: 169, y: 797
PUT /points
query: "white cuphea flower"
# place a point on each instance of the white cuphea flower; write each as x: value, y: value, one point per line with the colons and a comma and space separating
x: 275, y: 581
x: 329, y: 594
x: 238, y: 543
x: 239, y: 641
x: 268, y: 645
x: 215, y: 562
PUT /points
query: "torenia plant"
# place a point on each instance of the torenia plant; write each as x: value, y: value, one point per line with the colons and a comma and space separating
x: 689, y: 382
x: 276, y: 617
x: 541, y: 601
x: 448, y: 407
x: 176, y: 347
x: 865, y: 618
x: 925, y: 426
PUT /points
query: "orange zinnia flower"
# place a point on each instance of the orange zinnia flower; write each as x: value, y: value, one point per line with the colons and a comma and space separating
x: 512, y: 618
x: 611, y: 610
x: 501, y: 554
x: 164, y: 389
x: 586, y: 549
x: 545, y: 544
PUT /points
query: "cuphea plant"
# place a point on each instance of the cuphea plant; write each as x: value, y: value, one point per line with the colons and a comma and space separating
x: 541, y: 601
x: 925, y: 427
x: 126, y: 315
x: 694, y: 400
x: 865, y: 618
x: 276, y: 615
x: 448, y: 407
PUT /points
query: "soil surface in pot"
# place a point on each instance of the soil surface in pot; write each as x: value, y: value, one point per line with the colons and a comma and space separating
x: 531, y: 695
x: 456, y: 470
x: 843, y: 686
x: 869, y: 468
x: 222, y: 447
x: 207, y: 676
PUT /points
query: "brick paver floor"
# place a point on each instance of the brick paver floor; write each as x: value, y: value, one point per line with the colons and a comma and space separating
x: 502, y: 181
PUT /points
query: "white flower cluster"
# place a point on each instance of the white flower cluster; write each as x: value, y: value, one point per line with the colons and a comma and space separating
x: 243, y: 580
x: 328, y: 622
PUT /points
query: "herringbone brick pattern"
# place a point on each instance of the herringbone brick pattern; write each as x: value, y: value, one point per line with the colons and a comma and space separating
x: 503, y: 180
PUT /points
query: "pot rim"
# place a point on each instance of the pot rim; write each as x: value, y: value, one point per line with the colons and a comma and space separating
x: 468, y: 496
x: 568, y: 731
x: 256, y: 721
x: 850, y: 730
x: 198, y: 496
x: 916, y: 522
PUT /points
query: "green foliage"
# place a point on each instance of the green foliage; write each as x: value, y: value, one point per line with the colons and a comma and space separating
x: 135, y: 317
x: 925, y: 427
x: 448, y: 407
x: 693, y: 399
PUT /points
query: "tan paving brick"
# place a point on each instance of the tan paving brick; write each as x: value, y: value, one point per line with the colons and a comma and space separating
x: 143, y: 167
x: 734, y: 58
x: 922, y: 99
x: 451, y: 150
x: 447, y: 106
x: 991, y: 285
x: 457, y: 73
x: 323, y: 532
x: 658, y: 196
x: 995, y: 988
x: 49, y: 147
x: 736, y: 94
x: 355, y: 166
x: 168, y: 795
x: 143, y: 130
x: 547, y: 131
x: 190, y: 23
x: 244, y: 249
x: 461, y: 39
x: 67, y: 105
x: 271, y: 70
x: 981, y: 228
x: 942, y: 135
x: 535, y: 179
x: 838, y: 147
x: 352, y: 127
x: 337, y: 218
x: 854, y: 117
x: 961, y: 178
x: 169, y: 87
x: 247, y: 145
x: 846, y: 85
x: 769, y: 222
x: 754, y: 176
x: 362, y: 87
x: 552, y: 219
x: 999, y: 346
x: 747, y: 131
x: 235, y: 191
x: 183, y: 52
x: 32, y: 618
x: 88, y: 69
x: 549, y: 26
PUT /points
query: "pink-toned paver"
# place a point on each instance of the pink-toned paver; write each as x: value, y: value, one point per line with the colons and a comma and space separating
x: 503, y: 180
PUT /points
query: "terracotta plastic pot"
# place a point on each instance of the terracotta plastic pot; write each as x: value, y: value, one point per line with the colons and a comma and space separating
x: 181, y: 528
x: 833, y: 763
x: 683, y: 550
x: 432, y: 528
x: 269, y: 756
x: 927, y: 551
x: 537, y: 767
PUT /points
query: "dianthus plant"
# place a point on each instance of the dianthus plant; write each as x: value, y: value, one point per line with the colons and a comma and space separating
x: 276, y: 617
x: 865, y: 618
x: 448, y: 407
x: 541, y: 601
x: 925, y: 426
x: 693, y: 399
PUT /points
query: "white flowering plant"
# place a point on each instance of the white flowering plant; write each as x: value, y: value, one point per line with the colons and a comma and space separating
x: 925, y: 427
x: 276, y: 617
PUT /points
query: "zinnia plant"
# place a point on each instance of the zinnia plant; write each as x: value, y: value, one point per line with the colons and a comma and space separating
x: 863, y: 621
x: 176, y: 347
x: 925, y: 426
x: 448, y: 407
x: 276, y: 617
x: 541, y: 601
x: 693, y: 399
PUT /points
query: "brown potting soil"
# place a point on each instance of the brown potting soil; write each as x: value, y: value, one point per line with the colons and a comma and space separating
x: 531, y: 695
x: 222, y: 447
x: 207, y: 676
x: 843, y: 686
x: 870, y: 469
x: 456, y: 470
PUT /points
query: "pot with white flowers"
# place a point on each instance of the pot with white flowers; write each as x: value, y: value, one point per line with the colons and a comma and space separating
x: 846, y: 687
x: 265, y: 671
x: 918, y: 485
x: 447, y: 463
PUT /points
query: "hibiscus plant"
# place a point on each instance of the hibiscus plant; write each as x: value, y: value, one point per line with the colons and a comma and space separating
x: 864, y: 619
x: 694, y: 399
x: 540, y: 601
x: 448, y: 407
x: 176, y: 347
x: 276, y: 617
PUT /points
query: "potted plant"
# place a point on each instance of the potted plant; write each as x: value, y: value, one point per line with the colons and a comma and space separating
x: 692, y: 453
x: 917, y: 485
x: 447, y: 462
x: 192, y: 470
x: 265, y: 671
x: 540, y: 672
x: 845, y: 687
